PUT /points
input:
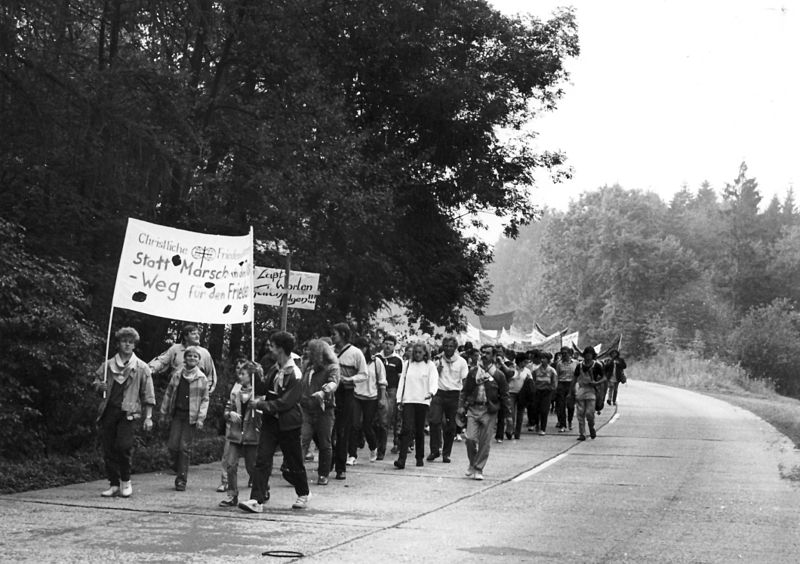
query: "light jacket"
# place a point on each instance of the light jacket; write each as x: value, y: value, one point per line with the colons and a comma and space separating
x: 247, y: 430
x: 367, y: 385
x: 137, y: 389
x: 418, y: 380
x: 198, y: 395
x: 171, y: 361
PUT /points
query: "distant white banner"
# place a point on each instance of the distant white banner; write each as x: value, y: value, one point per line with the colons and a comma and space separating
x: 270, y: 284
x: 185, y: 275
x: 570, y: 339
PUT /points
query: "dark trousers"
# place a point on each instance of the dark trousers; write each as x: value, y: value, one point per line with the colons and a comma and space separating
x: 541, y: 404
x: 294, y: 467
x: 612, y: 391
x: 518, y: 410
x: 599, y: 402
x: 342, y: 427
x: 414, y: 417
x: 562, y: 395
x: 116, y: 435
x: 318, y: 425
x: 500, y: 427
x: 179, y: 444
x: 442, y: 418
x: 386, y: 420
x: 363, y: 416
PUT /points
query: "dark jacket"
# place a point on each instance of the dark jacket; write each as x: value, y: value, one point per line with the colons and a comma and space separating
x: 283, y: 390
x: 324, y: 379
x: 608, y: 368
x: 496, y: 389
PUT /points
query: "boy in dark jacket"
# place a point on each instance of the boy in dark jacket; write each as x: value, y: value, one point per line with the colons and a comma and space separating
x: 244, y: 430
x: 282, y: 419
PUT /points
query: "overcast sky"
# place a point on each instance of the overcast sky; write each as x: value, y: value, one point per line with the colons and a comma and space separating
x: 675, y: 92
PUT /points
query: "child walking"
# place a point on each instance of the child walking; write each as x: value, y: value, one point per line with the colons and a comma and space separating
x: 244, y: 428
x: 186, y: 402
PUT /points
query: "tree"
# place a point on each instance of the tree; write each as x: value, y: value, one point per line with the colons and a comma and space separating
x: 346, y: 130
x: 46, y: 348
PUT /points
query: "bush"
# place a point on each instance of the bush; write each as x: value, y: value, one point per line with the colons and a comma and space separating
x: 60, y: 470
x: 686, y: 369
x: 47, y: 347
x: 767, y: 344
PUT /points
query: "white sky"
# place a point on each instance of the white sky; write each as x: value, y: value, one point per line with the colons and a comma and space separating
x: 666, y: 93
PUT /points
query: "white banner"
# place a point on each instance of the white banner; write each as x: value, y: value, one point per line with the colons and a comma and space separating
x: 570, y: 339
x: 270, y: 284
x: 185, y: 275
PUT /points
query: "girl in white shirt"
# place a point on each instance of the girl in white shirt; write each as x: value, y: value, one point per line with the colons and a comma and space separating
x: 418, y: 384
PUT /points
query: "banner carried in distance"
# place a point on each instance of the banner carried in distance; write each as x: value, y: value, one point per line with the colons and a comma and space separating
x: 185, y: 275
x: 270, y: 284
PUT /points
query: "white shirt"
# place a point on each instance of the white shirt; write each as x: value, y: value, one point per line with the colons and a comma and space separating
x: 452, y: 372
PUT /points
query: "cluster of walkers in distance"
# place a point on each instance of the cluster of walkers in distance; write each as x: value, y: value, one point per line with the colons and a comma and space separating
x: 342, y: 396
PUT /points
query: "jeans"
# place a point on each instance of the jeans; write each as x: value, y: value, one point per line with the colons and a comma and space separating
x: 318, y: 425
x: 234, y: 452
x: 363, y: 415
x: 225, y: 455
x: 387, y: 419
x: 586, y: 411
x: 116, y: 434
x: 289, y: 442
x: 342, y: 426
x: 562, y: 395
x: 414, y: 416
x: 179, y: 444
x: 541, y: 403
x: 480, y: 428
x: 443, y: 421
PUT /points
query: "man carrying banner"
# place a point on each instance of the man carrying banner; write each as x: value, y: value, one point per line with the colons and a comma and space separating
x: 171, y: 360
x: 129, y: 393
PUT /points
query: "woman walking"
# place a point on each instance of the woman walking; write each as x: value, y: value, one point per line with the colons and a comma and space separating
x: 418, y: 384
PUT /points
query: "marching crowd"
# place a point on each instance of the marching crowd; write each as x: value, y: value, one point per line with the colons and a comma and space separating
x: 342, y: 395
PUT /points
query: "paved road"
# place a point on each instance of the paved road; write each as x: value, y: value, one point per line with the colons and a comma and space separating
x: 674, y: 476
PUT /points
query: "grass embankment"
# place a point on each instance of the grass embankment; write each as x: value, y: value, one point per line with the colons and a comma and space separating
x: 728, y: 383
x: 150, y: 455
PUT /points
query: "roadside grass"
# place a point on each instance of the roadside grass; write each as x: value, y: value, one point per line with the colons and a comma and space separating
x: 729, y: 383
x: 87, y: 465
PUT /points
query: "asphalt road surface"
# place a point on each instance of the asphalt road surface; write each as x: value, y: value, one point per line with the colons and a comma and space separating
x: 673, y: 476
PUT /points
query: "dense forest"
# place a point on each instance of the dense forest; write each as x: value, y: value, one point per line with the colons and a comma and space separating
x: 362, y: 134
x: 713, y: 274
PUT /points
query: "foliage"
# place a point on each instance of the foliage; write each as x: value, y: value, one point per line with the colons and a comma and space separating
x: 716, y: 277
x: 87, y: 464
x: 767, y: 344
x: 360, y: 133
x: 46, y: 348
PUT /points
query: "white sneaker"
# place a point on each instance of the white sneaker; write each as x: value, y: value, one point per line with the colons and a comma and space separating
x: 470, y: 472
x: 351, y: 461
x: 113, y: 491
x: 373, y: 455
x: 301, y: 502
x: 126, y: 489
x: 251, y: 506
x: 478, y: 475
